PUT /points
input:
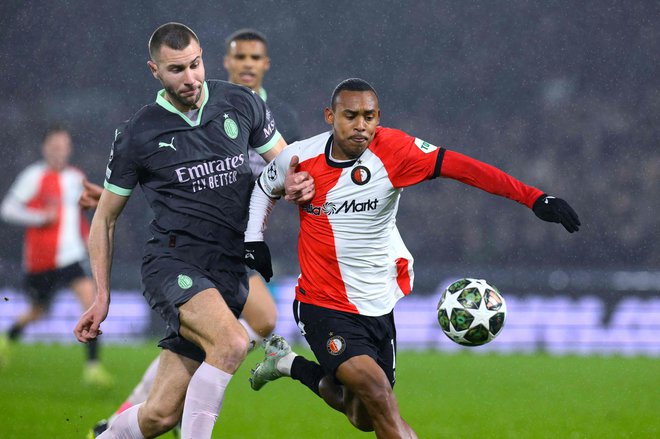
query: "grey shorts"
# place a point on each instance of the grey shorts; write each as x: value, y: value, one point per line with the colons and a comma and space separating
x: 169, y: 282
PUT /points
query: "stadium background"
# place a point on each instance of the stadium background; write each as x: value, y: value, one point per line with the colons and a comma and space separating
x: 563, y: 95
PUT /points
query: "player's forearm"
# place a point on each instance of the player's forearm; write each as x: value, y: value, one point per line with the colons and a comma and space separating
x: 488, y: 178
x: 261, y: 205
x: 101, y: 237
x: 14, y: 212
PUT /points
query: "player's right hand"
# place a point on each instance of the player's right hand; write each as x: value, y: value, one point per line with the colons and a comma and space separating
x: 257, y: 257
x: 298, y: 186
x: 89, y: 324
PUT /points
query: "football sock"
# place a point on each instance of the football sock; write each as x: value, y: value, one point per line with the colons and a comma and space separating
x: 307, y: 372
x: 284, y: 363
x: 125, y: 426
x: 203, y: 402
x: 14, y: 332
x: 92, y: 350
x: 255, y: 339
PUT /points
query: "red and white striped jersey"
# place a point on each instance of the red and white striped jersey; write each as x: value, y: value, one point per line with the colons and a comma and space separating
x: 351, y: 255
x: 62, y: 242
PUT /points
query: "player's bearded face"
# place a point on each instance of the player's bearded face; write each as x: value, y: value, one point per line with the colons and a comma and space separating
x: 182, y: 74
x: 354, y: 120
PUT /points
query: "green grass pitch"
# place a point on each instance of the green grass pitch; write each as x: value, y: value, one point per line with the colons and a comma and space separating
x: 442, y: 396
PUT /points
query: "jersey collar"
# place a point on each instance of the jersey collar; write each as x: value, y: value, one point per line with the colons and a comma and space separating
x: 262, y: 94
x: 332, y: 163
x: 160, y: 100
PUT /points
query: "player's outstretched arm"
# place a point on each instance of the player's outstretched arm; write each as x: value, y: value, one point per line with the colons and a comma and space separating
x: 101, y: 237
x: 556, y: 210
x: 495, y: 181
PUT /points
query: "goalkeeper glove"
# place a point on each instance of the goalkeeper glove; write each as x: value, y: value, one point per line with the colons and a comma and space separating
x: 556, y: 210
x: 257, y: 257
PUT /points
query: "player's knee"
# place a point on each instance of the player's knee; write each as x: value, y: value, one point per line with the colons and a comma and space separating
x: 230, y: 349
x: 375, y: 394
x: 265, y: 326
x: 159, y: 418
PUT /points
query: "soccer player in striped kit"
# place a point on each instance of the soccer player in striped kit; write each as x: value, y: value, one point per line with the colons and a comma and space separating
x: 354, y: 264
x: 44, y: 200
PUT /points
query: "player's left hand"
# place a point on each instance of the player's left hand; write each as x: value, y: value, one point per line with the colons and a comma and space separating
x: 257, y: 257
x: 89, y: 199
x: 298, y: 186
x: 556, y: 210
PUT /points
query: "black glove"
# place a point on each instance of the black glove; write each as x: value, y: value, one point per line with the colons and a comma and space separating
x: 556, y: 210
x: 257, y: 257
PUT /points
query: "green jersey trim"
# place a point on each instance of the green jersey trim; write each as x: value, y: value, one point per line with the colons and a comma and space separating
x: 117, y: 190
x: 160, y: 100
x: 262, y: 94
x: 271, y: 143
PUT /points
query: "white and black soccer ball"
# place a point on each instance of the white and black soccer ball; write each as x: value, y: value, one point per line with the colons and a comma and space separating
x: 471, y: 312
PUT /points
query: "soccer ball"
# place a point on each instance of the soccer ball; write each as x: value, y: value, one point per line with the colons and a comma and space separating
x: 471, y: 312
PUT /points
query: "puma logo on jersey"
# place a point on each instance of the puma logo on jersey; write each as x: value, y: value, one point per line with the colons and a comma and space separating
x: 167, y: 145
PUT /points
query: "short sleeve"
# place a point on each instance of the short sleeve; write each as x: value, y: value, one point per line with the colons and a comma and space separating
x: 263, y: 131
x: 408, y: 160
x: 121, y: 174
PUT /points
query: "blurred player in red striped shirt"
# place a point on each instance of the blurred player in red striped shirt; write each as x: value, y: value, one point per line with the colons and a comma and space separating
x: 44, y: 200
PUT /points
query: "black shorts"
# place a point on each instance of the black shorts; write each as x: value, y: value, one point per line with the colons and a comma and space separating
x: 41, y: 287
x: 169, y: 282
x: 337, y: 336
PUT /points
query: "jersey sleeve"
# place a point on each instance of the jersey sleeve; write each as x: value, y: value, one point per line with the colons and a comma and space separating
x: 409, y: 160
x: 271, y: 180
x: 14, y: 208
x: 488, y: 178
x: 263, y: 132
x: 25, y: 186
x: 121, y: 175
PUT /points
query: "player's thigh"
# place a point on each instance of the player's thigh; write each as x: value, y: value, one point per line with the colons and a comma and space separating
x: 260, y: 311
x: 168, y: 391
x: 207, y: 321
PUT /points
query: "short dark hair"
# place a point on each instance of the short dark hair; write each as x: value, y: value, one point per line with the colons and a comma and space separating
x: 176, y: 36
x: 246, y: 34
x: 351, y: 84
x: 54, y: 129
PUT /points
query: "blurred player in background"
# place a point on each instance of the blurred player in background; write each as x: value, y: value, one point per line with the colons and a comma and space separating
x: 44, y: 200
x: 246, y: 61
x: 354, y: 264
x: 190, y: 159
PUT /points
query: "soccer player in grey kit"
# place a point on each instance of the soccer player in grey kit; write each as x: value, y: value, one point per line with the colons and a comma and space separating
x: 188, y: 151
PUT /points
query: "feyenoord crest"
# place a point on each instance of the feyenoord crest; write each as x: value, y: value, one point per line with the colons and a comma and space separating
x: 231, y: 129
x: 360, y: 175
x: 336, y: 345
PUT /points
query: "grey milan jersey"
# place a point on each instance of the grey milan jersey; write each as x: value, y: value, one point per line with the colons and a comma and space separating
x: 195, y: 173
